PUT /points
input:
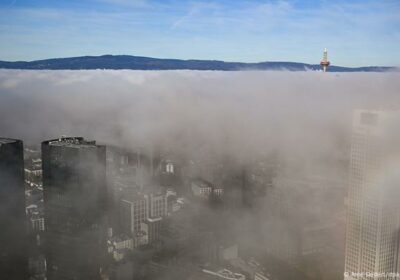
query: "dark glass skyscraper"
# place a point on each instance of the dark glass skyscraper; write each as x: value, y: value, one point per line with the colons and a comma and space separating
x: 13, y: 251
x: 75, y: 200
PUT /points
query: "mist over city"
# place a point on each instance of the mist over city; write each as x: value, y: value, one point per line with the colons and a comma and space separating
x: 278, y: 152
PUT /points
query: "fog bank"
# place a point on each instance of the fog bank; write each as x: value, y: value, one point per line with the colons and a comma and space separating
x: 195, y: 112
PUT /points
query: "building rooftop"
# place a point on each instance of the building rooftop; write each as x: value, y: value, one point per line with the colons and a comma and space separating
x: 153, y: 220
x: 201, y: 183
x: 7, y: 141
x: 74, y: 142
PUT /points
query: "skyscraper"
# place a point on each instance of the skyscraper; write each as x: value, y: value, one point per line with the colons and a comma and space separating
x: 75, y: 200
x: 13, y: 251
x: 372, y: 232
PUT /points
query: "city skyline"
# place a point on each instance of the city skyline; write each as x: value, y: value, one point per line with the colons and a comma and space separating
x: 359, y: 33
x: 199, y: 140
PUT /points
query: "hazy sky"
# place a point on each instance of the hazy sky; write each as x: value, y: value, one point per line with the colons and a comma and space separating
x: 357, y: 33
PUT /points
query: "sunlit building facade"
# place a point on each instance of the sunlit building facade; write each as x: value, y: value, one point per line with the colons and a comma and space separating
x: 372, y: 231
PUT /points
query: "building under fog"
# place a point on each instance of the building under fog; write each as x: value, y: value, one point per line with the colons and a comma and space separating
x: 75, y: 198
x: 13, y: 251
x: 133, y: 211
x: 372, y: 232
x: 141, y: 214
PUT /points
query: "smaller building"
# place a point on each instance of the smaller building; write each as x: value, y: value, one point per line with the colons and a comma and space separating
x: 204, y: 189
x: 201, y: 188
x: 157, y: 204
x: 119, y: 246
x: 133, y: 211
x: 37, y: 267
x: 141, y: 238
x: 151, y: 227
x: 33, y: 172
x: 169, y: 167
x: 37, y: 222
x: 218, y: 191
x: 35, y: 217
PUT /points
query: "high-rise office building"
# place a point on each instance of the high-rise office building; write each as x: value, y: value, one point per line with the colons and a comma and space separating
x: 13, y: 251
x: 372, y: 231
x: 75, y: 201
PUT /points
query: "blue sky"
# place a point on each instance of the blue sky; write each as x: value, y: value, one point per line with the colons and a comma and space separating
x: 356, y: 33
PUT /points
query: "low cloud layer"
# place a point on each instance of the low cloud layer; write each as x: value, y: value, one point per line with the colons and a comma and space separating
x: 239, y: 113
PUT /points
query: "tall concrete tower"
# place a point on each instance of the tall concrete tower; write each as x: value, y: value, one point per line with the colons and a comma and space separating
x: 13, y: 236
x: 324, y: 62
x: 75, y: 197
x: 373, y: 214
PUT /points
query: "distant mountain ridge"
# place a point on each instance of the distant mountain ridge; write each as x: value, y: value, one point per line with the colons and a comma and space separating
x: 118, y: 62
